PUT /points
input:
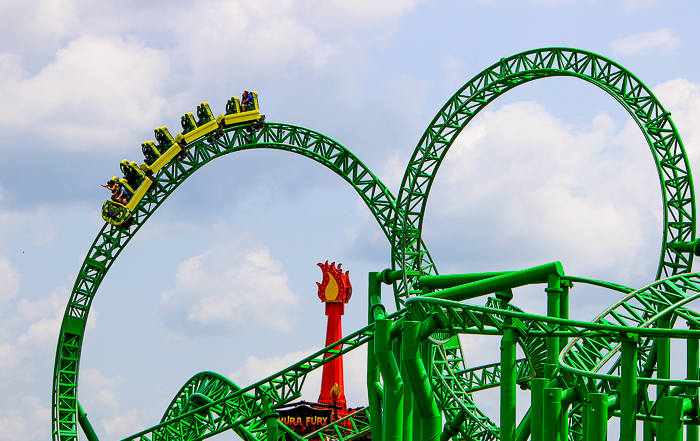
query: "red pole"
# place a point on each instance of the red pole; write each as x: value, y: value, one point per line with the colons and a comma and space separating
x: 335, y: 291
x: 332, y: 383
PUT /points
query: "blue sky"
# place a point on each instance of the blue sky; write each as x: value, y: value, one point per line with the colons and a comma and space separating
x: 222, y: 277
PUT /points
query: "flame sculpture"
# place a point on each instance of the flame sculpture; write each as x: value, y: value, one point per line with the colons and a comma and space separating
x: 335, y: 291
x: 335, y: 286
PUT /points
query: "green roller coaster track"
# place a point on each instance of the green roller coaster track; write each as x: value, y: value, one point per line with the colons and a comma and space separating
x: 629, y: 342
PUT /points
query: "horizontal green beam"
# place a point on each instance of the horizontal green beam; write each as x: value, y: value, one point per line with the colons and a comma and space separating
x: 538, y: 274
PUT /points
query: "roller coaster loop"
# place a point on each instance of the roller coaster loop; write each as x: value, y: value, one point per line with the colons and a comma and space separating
x: 587, y: 369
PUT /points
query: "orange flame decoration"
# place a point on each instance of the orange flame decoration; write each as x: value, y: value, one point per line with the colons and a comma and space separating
x: 335, y: 286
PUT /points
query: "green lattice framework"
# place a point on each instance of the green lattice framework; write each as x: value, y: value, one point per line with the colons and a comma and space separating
x: 111, y: 240
x: 660, y: 132
x: 241, y: 409
x: 347, y: 428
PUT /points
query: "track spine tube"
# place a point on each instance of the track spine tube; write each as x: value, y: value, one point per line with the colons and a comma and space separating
x: 420, y: 383
x: 374, y: 388
x: 289, y: 432
x: 503, y: 282
x: 452, y: 280
x: 393, y: 383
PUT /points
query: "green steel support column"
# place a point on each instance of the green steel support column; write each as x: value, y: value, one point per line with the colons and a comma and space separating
x: 85, y: 425
x: 663, y: 368
x: 508, y: 384
x: 628, y: 389
x: 270, y: 418
x: 595, y: 425
x: 553, y: 310
x: 564, y: 421
x: 374, y: 297
x: 647, y: 372
x: 692, y: 366
x: 648, y: 429
x: 417, y: 423
x: 452, y: 427
x: 564, y: 308
x: 407, y: 403
x: 522, y: 432
x: 393, y: 384
x: 418, y: 378
x: 537, y: 408
x: 663, y: 356
x: 672, y: 411
x: 551, y: 416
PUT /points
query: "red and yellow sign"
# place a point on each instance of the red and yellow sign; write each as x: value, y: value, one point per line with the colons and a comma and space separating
x: 335, y: 287
x: 304, y: 419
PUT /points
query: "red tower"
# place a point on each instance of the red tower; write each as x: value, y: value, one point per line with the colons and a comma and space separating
x: 335, y: 291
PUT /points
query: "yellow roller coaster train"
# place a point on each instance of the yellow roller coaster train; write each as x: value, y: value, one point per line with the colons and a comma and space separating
x: 137, y: 178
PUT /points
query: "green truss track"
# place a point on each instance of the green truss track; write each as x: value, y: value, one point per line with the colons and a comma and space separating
x: 111, y: 240
x: 209, y: 404
x: 669, y: 155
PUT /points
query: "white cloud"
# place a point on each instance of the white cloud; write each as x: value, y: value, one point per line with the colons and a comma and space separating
x: 33, y: 23
x: 35, y: 343
x: 38, y: 221
x: 372, y: 11
x: 682, y: 98
x: 453, y: 67
x: 354, y: 369
x: 521, y: 181
x: 662, y: 40
x: 100, y: 389
x: 262, y: 36
x: 638, y: 5
x: 255, y: 369
x: 233, y: 284
x: 9, y: 281
x: 124, y: 424
x: 26, y: 420
x: 94, y: 94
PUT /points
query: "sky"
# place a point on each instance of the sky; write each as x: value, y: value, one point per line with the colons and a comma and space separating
x: 222, y: 277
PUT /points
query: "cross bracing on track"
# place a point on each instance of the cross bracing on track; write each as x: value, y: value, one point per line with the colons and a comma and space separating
x: 209, y: 404
x: 111, y: 240
x: 654, y: 121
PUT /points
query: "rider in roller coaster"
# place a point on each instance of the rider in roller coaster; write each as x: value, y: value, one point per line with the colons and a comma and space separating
x: 247, y: 101
x: 118, y: 193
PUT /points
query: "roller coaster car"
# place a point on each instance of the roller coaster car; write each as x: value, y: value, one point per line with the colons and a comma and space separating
x: 234, y: 116
x: 132, y: 173
x: 117, y: 213
x: 191, y: 130
x: 150, y: 152
x: 188, y: 123
x: 163, y: 138
x: 167, y: 150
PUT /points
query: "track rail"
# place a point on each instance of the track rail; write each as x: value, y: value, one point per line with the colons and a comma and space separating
x: 653, y: 120
x: 111, y: 240
x: 209, y: 404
